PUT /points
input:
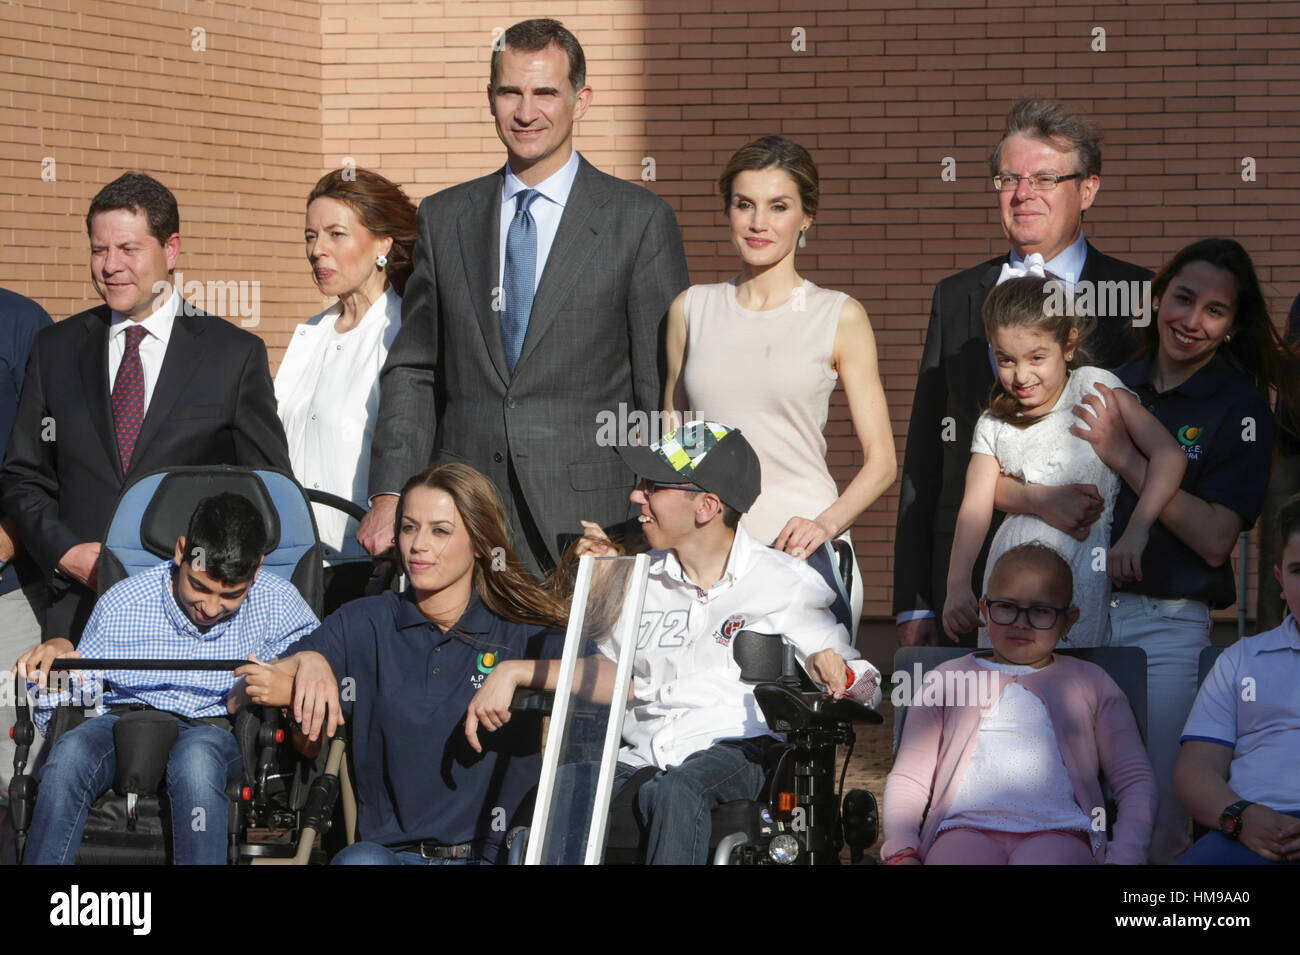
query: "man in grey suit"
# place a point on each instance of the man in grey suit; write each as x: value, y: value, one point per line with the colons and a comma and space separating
x: 536, y: 307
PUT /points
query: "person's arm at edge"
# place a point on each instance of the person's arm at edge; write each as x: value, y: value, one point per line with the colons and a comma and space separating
x: 1123, y: 759
x: 675, y: 345
x: 259, y: 433
x: 908, y: 786
x: 31, y: 484
x: 408, y: 418
x: 973, y: 520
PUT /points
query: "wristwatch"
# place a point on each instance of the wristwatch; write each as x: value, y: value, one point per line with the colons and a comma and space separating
x: 1230, y: 819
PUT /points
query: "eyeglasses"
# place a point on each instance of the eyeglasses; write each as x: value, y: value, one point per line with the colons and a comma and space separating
x: 649, y: 486
x: 1040, y: 616
x: 1010, y: 182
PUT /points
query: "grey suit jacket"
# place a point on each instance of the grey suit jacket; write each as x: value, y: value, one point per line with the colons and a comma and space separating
x: 593, y: 346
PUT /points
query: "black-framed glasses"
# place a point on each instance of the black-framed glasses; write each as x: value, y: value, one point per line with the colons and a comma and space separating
x: 649, y: 486
x: 1040, y: 616
x: 1010, y: 182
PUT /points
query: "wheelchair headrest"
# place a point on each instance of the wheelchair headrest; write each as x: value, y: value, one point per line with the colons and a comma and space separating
x: 168, y: 514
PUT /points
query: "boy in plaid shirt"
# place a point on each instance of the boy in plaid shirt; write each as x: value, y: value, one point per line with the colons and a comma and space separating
x: 209, y: 602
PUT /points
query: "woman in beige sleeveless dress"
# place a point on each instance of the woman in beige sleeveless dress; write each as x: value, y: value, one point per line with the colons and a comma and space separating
x: 763, y: 351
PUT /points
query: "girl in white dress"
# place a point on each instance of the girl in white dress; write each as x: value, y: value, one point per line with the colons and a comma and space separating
x: 1026, y: 434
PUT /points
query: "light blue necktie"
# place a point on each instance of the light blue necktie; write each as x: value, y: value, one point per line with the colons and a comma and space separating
x: 520, y: 276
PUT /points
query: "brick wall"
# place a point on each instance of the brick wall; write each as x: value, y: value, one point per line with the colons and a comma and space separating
x: 881, y: 92
x: 228, y: 118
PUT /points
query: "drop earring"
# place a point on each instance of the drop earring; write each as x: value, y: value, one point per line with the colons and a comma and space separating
x: 803, y: 238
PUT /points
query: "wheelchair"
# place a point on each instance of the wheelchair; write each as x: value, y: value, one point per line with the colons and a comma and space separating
x: 800, y: 816
x: 283, y: 800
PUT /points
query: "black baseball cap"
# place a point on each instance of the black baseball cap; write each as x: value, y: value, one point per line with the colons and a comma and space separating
x: 709, y: 455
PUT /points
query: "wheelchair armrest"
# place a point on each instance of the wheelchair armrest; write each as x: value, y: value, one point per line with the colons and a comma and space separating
x: 845, y: 562
x: 788, y: 710
x: 528, y: 700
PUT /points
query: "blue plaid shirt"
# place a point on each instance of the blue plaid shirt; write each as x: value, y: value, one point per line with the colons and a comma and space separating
x: 140, y: 618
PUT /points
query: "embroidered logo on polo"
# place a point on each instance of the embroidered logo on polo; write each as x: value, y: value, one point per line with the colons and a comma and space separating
x: 486, y: 663
x: 730, y: 627
x: 1189, y: 436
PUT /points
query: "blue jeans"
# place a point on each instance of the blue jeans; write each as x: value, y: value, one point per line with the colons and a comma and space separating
x: 80, y: 768
x: 677, y: 804
x: 1214, y: 848
x: 372, y: 853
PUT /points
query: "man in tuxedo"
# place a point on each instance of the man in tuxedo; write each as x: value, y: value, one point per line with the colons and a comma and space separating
x: 536, y: 306
x: 1047, y: 171
x: 144, y: 382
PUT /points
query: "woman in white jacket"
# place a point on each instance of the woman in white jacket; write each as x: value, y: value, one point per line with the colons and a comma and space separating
x: 359, y: 236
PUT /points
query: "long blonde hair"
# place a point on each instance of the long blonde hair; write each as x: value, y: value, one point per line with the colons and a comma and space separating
x: 501, y: 581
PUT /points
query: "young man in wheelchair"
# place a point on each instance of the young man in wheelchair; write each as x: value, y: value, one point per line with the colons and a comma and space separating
x: 209, y: 602
x: 689, y: 716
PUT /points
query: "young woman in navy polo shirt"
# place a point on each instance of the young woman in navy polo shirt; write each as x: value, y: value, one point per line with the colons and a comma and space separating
x: 409, y: 665
x: 1209, y: 360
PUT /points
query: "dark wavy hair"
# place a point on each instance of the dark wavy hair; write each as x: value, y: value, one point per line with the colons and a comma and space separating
x: 1255, y: 348
x: 226, y: 538
x: 137, y: 192
x: 532, y: 36
x: 383, y: 208
x: 1024, y: 303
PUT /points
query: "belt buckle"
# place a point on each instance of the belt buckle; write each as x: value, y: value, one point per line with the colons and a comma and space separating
x: 436, y: 853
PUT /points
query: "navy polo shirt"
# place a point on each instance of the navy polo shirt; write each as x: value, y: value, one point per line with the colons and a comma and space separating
x: 20, y: 320
x: 405, y: 686
x: 1226, y: 430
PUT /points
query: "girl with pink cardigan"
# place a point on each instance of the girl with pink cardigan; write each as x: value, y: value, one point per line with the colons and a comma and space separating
x: 1005, y: 746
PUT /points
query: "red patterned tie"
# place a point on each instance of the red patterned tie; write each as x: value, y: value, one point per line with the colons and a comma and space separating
x: 128, y: 396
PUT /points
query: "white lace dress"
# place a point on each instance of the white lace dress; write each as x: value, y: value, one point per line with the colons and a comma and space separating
x: 1047, y: 453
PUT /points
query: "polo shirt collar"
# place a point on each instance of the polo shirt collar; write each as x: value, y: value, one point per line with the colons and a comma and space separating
x: 476, y: 618
x: 1206, y: 382
x: 1284, y: 637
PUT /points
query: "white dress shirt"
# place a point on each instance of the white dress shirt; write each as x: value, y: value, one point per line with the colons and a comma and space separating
x: 546, y: 211
x: 153, y: 347
x: 687, y: 693
x: 327, y: 393
x: 1066, y: 266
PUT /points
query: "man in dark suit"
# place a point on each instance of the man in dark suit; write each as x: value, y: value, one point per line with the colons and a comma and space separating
x: 22, y: 592
x: 535, y: 311
x: 143, y: 382
x: 1047, y: 170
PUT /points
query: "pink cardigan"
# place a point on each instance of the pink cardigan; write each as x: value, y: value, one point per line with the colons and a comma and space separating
x: 1095, y: 730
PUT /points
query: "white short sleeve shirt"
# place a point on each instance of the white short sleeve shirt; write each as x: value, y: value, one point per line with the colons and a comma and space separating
x: 1249, y: 702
